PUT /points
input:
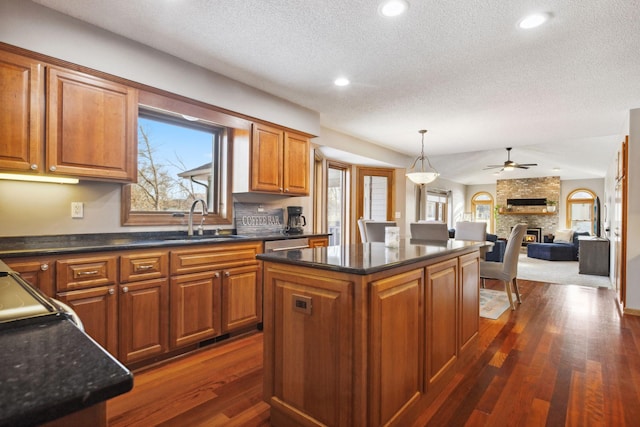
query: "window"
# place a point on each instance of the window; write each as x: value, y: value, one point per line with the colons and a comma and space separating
x: 436, y: 207
x: 182, y: 156
x: 482, y: 209
x: 374, y: 194
x: 580, y: 210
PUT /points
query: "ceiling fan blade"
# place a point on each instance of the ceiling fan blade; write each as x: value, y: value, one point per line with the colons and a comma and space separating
x: 493, y: 166
x: 521, y: 167
x: 528, y: 164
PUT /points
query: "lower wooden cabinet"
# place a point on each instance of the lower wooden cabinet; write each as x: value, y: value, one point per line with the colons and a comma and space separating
x: 39, y: 272
x: 442, y: 320
x: 469, y: 276
x: 241, y: 297
x: 316, y: 242
x: 195, y: 308
x: 98, y: 310
x: 143, y: 319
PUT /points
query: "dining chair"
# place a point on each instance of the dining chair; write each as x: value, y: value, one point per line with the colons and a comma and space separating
x: 507, y: 270
x: 467, y: 230
x: 429, y: 231
x: 375, y: 229
x: 363, y: 230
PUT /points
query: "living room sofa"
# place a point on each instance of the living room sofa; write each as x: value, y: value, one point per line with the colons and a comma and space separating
x: 556, y: 251
x: 499, y: 246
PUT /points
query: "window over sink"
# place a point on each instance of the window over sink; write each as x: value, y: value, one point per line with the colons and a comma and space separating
x: 183, y: 155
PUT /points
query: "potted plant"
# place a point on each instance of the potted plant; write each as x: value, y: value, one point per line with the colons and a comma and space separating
x: 551, y: 205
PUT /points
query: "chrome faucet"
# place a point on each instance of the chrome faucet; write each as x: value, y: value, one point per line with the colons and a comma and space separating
x: 204, y: 213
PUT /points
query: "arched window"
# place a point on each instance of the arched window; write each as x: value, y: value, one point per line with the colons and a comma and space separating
x: 580, y: 210
x: 482, y: 209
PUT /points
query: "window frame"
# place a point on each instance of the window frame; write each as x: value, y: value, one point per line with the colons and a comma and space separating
x: 237, y: 129
x: 570, y: 201
x: 491, y: 202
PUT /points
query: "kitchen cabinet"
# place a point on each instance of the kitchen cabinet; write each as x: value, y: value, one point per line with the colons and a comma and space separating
x: 241, y: 297
x: 89, y: 286
x: 195, y: 308
x: 316, y: 242
x: 143, y: 305
x: 37, y: 271
x: 91, y: 125
x: 469, y: 277
x: 21, y: 113
x: 98, y: 309
x: 441, y: 322
x: 279, y: 161
x: 214, y: 290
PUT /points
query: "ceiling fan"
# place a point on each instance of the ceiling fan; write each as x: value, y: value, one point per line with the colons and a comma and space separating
x: 510, y: 164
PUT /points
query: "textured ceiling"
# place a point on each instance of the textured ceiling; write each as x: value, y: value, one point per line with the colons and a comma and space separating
x: 461, y: 69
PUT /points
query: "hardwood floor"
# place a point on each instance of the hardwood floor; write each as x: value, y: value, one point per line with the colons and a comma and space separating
x: 566, y: 356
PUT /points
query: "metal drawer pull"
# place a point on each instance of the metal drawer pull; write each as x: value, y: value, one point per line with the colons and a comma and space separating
x: 289, y: 248
x: 88, y: 273
x: 144, y: 267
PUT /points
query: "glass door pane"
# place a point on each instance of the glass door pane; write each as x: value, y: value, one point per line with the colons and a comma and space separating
x: 336, y: 209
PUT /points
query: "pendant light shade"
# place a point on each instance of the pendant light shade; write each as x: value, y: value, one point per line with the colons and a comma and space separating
x: 422, y: 176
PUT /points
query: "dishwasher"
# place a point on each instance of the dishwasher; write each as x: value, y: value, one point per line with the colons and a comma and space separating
x: 286, y: 244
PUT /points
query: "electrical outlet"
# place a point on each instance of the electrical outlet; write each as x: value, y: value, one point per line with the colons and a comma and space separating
x: 398, y: 215
x: 77, y: 210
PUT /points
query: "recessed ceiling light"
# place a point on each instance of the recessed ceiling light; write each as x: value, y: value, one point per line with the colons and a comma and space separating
x: 556, y: 169
x: 341, y: 81
x: 533, y: 21
x: 391, y: 8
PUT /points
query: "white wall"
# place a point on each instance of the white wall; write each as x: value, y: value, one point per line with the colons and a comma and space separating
x: 633, y: 214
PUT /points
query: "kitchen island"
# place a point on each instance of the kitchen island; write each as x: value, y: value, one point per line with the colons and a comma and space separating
x: 365, y: 335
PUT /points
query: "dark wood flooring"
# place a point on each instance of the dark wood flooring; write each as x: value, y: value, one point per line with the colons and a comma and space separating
x: 565, y: 357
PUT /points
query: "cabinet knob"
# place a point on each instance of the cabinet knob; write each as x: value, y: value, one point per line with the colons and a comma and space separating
x: 227, y: 274
x: 111, y: 291
x: 286, y: 190
x: 53, y: 168
x: 44, y: 267
x: 125, y: 289
x: 216, y: 275
x: 280, y: 188
x: 34, y: 167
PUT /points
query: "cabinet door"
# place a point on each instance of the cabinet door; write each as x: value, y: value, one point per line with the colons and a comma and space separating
x: 144, y: 319
x: 296, y: 164
x: 395, y: 384
x: 98, y: 310
x: 309, y: 345
x: 91, y: 124
x: 266, y: 159
x: 195, y: 308
x: 442, y: 316
x: 469, y: 298
x: 21, y: 113
x: 38, y: 272
x: 241, y: 297
x: 316, y: 242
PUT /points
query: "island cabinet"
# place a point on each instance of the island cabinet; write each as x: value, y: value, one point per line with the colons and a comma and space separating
x: 366, y: 346
x: 279, y: 161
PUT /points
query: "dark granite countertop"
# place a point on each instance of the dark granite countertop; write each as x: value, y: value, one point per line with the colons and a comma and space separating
x: 51, y: 369
x: 76, y: 243
x: 367, y: 258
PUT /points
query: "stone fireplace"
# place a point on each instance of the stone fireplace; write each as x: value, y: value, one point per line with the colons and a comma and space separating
x: 535, y: 217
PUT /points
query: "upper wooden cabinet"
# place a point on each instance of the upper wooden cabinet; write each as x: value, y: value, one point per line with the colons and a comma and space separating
x: 279, y: 161
x: 21, y: 113
x: 91, y: 124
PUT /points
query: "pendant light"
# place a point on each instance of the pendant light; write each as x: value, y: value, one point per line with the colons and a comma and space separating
x: 422, y: 176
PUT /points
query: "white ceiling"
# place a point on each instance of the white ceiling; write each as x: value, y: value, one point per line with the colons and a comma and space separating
x: 558, y: 94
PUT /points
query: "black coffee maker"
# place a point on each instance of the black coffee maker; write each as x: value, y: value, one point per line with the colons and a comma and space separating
x: 295, y: 220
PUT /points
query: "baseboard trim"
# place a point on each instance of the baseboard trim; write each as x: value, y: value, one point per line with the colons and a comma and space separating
x: 631, y: 311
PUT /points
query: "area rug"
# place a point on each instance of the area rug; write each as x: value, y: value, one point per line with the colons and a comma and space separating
x: 493, y: 303
x: 560, y: 272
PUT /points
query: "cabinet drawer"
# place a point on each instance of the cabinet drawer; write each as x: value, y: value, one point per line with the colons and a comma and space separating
x: 213, y: 257
x: 80, y: 273
x: 143, y: 266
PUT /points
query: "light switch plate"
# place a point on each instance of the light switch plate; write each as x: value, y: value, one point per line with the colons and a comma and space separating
x: 77, y: 210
